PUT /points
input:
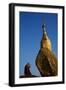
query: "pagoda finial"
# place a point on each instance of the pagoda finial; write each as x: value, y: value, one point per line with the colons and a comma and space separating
x: 44, y: 28
x: 43, y: 25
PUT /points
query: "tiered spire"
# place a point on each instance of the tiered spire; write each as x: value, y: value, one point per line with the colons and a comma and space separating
x: 45, y: 42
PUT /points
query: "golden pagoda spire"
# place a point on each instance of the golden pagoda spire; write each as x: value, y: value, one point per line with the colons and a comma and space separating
x: 45, y: 42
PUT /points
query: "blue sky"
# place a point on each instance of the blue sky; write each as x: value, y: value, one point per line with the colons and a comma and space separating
x: 31, y: 35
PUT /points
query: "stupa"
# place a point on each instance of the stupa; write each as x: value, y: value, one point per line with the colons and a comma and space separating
x: 46, y: 61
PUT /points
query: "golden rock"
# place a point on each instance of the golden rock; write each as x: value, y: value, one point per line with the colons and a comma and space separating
x: 46, y: 61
